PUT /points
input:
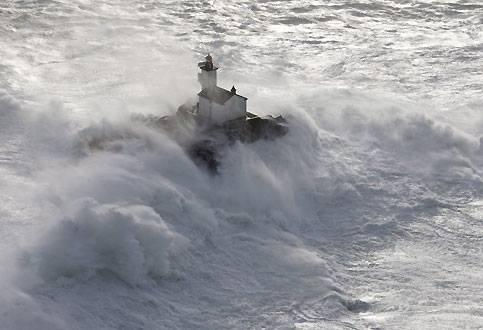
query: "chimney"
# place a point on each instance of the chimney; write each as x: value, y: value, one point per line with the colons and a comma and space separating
x: 233, y: 90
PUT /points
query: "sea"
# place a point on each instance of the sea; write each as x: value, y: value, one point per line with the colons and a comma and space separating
x: 367, y: 214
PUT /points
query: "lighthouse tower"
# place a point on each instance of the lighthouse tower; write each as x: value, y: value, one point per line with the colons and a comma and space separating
x: 207, y: 76
x: 217, y: 105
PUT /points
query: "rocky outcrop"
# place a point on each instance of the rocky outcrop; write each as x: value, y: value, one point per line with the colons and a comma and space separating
x: 203, y: 142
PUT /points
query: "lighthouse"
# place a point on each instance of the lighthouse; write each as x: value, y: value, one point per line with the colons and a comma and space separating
x: 217, y: 105
x: 217, y: 119
x: 207, y: 76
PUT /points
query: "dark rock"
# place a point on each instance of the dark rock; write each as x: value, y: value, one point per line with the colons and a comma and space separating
x: 204, y: 154
x: 203, y: 142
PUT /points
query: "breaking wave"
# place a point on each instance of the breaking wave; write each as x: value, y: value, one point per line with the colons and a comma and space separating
x: 131, y: 197
x: 122, y: 201
x: 367, y: 214
x: 132, y: 242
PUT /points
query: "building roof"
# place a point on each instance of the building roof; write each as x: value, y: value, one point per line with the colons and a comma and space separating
x: 217, y: 94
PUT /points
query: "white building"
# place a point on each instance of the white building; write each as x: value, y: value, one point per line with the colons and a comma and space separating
x: 217, y: 105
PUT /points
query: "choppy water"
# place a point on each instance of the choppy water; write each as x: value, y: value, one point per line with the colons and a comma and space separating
x: 368, y: 214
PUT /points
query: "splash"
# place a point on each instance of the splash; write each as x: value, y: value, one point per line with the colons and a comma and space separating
x: 132, y: 242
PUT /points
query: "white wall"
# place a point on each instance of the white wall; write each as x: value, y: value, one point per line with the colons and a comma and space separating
x: 217, y: 113
x: 204, y: 107
x: 239, y: 106
x: 207, y: 79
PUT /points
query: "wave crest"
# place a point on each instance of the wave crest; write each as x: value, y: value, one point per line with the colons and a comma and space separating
x: 131, y: 242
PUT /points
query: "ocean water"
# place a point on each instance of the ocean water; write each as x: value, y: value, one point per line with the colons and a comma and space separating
x: 368, y: 214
